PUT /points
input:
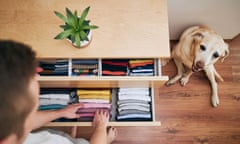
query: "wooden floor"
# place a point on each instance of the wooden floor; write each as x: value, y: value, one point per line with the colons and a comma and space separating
x: 186, y: 113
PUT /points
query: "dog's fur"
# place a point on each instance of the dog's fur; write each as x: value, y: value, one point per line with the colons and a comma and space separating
x: 198, y: 49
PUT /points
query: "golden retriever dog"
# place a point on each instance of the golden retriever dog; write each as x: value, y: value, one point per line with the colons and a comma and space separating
x: 198, y: 49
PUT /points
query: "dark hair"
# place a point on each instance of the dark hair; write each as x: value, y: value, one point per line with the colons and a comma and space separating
x: 17, y: 67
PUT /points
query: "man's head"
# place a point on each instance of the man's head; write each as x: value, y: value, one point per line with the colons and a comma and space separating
x: 17, y: 88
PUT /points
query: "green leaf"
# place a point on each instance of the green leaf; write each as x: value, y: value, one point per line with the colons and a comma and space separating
x: 75, y: 17
x: 83, y: 36
x: 77, y: 40
x: 65, y: 27
x: 73, y: 38
x: 70, y: 18
x: 83, y: 15
x: 64, y: 34
x: 60, y: 16
x: 88, y: 27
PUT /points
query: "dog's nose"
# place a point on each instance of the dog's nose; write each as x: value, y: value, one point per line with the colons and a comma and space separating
x: 200, y: 64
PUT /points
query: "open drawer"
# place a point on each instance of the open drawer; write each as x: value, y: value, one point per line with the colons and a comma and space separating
x: 115, y: 110
x: 104, y: 81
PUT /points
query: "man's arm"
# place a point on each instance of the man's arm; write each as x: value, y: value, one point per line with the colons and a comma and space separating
x: 43, y: 117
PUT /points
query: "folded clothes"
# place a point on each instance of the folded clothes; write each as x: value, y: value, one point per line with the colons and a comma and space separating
x: 44, y: 101
x: 54, y: 67
x: 90, y: 110
x: 86, y: 114
x: 114, y: 67
x: 142, y: 71
x: 96, y: 105
x: 133, y: 111
x: 140, y: 93
x: 85, y: 119
x: 141, y: 74
x: 135, y: 97
x: 90, y: 91
x: 140, y: 61
x: 94, y: 100
x: 147, y: 66
x: 85, y: 61
x: 51, y: 107
x: 104, y: 97
x: 140, y: 65
x: 55, y: 96
x: 124, y: 64
x: 133, y: 89
x: 131, y: 101
x: 134, y: 119
x: 134, y: 107
x: 114, y: 73
x: 55, y: 90
x: 127, y: 116
x: 134, y: 104
x: 81, y: 66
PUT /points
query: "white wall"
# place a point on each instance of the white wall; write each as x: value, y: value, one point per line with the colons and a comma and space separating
x: 223, y: 16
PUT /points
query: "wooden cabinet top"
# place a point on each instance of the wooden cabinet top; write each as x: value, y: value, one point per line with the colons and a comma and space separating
x: 127, y: 28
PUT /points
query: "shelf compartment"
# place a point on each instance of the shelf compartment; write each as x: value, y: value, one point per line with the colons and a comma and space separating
x: 117, y: 123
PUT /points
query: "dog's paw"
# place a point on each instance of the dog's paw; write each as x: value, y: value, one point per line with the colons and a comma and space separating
x: 184, y: 81
x: 169, y: 83
x: 215, y: 101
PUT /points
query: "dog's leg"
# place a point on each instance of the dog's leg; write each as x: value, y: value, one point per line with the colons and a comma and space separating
x: 210, y: 72
x: 184, y: 80
x: 180, y: 71
x: 218, y: 76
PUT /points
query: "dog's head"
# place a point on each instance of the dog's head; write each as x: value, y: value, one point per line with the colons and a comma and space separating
x: 208, y: 47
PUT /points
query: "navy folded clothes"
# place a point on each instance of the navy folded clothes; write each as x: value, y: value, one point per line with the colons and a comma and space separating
x: 85, y: 61
x: 135, y: 119
x: 129, y: 116
x: 55, y: 90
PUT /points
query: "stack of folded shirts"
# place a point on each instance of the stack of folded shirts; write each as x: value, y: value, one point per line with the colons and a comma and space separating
x: 141, y: 67
x: 84, y: 67
x: 134, y: 104
x: 52, y: 99
x: 93, y: 99
x: 54, y: 67
x: 114, y: 67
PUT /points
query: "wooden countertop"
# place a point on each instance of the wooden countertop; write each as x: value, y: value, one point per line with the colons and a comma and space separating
x: 127, y: 28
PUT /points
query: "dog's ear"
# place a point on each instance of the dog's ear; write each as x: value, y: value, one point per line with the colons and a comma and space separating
x: 198, y: 36
x: 225, y: 53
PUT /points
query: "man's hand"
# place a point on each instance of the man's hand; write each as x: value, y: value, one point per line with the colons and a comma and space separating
x: 70, y: 111
x: 101, y: 119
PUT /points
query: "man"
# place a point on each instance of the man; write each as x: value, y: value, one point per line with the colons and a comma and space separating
x: 19, y: 92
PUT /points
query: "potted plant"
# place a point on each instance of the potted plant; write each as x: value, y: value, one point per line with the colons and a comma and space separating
x: 76, y: 29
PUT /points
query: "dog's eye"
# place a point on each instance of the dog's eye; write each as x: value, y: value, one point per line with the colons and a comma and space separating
x: 215, y: 55
x: 202, y: 47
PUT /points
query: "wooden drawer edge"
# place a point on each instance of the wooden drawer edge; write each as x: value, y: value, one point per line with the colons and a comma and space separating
x: 152, y: 123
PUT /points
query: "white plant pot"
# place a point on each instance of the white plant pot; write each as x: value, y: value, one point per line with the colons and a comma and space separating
x: 85, y: 42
